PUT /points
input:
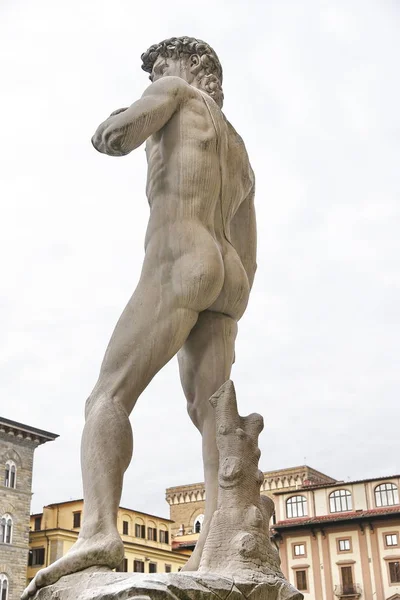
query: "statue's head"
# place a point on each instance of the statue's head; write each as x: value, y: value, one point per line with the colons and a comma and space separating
x: 189, y: 58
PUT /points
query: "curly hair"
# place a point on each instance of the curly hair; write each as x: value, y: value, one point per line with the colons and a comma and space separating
x: 210, y: 77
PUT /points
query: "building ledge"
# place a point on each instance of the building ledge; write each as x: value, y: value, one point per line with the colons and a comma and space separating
x: 335, y: 517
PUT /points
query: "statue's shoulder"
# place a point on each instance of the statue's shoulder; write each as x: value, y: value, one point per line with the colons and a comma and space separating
x: 172, y: 85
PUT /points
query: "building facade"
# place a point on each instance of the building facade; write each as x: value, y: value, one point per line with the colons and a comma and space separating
x: 17, y: 446
x: 186, y: 502
x: 341, y: 540
x: 336, y: 539
x: 147, y: 539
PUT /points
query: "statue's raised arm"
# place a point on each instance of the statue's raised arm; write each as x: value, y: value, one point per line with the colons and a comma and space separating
x: 126, y: 129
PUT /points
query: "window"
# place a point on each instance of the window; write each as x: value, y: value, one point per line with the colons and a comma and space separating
x: 198, y: 523
x: 394, y: 571
x: 123, y: 567
x: 391, y: 539
x: 6, y: 529
x: 138, y: 566
x: 164, y: 536
x: 296, y: 506
x: 347, y: 580
x: 340, y: 501
x: 344, y: 545
x: 168, y: 568
x: 301, y: 580
x: 152, y: 567
x: 140, y: 532
x: 38, y: 523
x: 386, y: 494
x: 152, y: 534
x: 77, y: 519
x: 10, y: 475
x: 3, y: 586
x: 299, y: 549
x: 125, y: 527
x: 36, y: 557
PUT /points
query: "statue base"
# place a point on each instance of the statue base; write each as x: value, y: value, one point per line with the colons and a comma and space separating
x: 103, y: 584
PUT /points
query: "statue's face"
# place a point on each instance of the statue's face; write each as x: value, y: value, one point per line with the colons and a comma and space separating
x: 181, y: 67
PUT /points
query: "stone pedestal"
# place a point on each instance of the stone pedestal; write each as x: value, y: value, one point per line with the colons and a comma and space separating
x: 93, y: 584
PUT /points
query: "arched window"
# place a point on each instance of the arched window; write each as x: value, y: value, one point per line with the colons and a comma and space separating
x: 340, y: 501
x: 140, y: 528
x: 3, y: 586
x: 386, y: 494
x: 6, y: 529
x: 296, y: 506
x: 10, y: 476
x: 198, y: 523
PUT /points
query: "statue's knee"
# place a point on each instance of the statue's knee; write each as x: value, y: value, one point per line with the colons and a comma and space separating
x: 94, y: 401
x: 193, y: 413
x: 201, y: 413
x: 89, y: 405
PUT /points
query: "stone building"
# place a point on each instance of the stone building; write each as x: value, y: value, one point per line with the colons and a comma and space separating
x: 336, y: 539
x: 186, y: 502
x: 147, y: 539
x: 17, y: 445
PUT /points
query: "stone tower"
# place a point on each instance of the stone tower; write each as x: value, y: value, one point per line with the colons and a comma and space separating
x: 17, y: 445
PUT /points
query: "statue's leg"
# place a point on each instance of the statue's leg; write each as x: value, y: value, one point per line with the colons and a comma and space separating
x: 205, y: 363
x: 152, y: 328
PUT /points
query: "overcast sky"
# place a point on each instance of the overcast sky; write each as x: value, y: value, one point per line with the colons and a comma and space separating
x: 313, y: 88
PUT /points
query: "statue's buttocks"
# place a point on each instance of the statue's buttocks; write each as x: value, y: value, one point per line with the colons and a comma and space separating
x: 190, y: 208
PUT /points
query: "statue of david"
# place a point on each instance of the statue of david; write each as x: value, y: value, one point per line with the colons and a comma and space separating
x: 198, y: 269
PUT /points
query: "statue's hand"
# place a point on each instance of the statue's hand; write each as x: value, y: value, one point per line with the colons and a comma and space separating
x: 99, y: 141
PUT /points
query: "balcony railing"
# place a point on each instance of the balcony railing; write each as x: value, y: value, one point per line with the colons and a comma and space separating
x: 352, y: 590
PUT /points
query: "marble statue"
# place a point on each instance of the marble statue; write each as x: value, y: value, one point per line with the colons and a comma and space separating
x: 198, y: 270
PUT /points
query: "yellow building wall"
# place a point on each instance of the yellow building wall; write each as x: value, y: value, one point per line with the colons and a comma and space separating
x: 301, y: 562
x: 359, y: 497
x: 57, y: 536
x: 386, y: 554
x: 350, y: 558
x: 321, y: 502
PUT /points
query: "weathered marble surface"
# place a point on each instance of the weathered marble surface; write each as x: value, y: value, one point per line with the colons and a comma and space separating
x: 107, y: 585
x: 198, y: 270
x: 238, y: 542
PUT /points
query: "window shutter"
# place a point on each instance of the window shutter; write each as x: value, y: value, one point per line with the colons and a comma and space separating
x: 301, y: 580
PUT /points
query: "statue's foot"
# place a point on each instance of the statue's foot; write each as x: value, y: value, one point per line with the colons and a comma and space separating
x: 99, y: 550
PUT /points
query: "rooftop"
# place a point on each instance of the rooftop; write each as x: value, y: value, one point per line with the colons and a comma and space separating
x: 336, y: 483
x: 372, y: 513
x: 26, y: 431
x: 139, y: 512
